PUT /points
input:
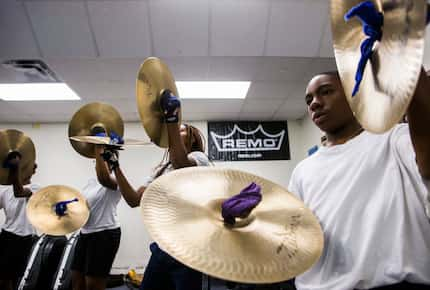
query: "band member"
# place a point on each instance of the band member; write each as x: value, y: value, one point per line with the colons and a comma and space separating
x: 370, y: 193
x: 99, y: 239
x: 185, y: 149
x: 17, y: 234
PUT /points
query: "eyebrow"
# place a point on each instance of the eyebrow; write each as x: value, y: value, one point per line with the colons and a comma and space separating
x: 323, y: 86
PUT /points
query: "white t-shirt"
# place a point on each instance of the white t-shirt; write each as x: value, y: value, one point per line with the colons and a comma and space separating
x: 102, y: 202
x: 199, y: 157
x: 15, y: 211
x: 370, y: 200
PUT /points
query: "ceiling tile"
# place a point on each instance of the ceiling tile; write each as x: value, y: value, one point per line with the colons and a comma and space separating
x: 62, y: 28
x: 180, y: 27
x: 121, y: 28
x: 96, y: 70
x: 291, y: 110
x: 283, y: 69
x: 210, y: 106
x: 267, y: 105
x: 296, y: 27
x: 234, y: 68
x: 15, y: 32
x: 188, y: 68
x: 238, y: 28
x: 272, y: 90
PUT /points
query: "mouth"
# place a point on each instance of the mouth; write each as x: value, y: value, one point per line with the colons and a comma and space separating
x: 318, y: 117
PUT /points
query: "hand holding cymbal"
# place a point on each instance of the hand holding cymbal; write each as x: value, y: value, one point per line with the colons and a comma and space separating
x: 154, y: 79
x: 191, y: 214
x: 385, y: 56
x: 14, y: 144
x: 57, y: 210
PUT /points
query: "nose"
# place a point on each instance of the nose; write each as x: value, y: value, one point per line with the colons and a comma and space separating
x: 315, y: 104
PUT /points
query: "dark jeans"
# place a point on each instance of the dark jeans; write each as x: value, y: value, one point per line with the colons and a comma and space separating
x: 403, y: 286
x: 165, y: 273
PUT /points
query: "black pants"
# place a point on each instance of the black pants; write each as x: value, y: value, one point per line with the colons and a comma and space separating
x: 95, y: 252
x: 14, y: 253
x: 403, y: 286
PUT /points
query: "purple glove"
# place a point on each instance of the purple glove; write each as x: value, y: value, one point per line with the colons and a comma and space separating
x: 170, y: 106
x: 241, y: 204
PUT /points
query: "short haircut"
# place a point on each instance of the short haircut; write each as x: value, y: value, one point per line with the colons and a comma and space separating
x: 333, y: 73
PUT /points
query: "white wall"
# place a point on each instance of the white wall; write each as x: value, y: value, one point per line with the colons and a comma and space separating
x: 60, y: 164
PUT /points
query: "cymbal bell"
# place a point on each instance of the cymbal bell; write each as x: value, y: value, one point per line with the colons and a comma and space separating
x: 87, y: 118
x: 391, y: 75
x: 279, y: 240
x: 15, y: 141
x: 153, y: 78
x: 41, y: 210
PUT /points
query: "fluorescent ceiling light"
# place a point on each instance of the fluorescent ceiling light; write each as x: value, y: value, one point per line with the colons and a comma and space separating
x: 213, y: 90
x: 37, y: 92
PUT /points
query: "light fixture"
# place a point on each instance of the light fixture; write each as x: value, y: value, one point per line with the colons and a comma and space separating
x: 37, y: 92
x: 212, y: 89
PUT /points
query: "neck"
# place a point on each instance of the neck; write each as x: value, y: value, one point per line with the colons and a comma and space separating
x: 343, y: 134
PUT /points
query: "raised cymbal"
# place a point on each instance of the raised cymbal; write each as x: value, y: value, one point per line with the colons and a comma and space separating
x: 279, y: 240
x: 90, y: 116
x: 391, y: 75
x: 153, y: 78
x: 107, y: 141
x: 15, y: 141
x: 42, y: 215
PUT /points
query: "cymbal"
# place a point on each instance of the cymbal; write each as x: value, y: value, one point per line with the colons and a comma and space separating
x: 96, y: 140
x: 15, y: 141
x: 41, y: 210
x: 90, y: 116
x: 153, y: 78
x: 391, y: 75
x: 279, y: 240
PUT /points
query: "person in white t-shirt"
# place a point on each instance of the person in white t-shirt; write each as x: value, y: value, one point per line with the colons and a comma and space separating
x: 370, y: 193
x: 186, y: 148
x: 17, y: 234
x: 99, y: 238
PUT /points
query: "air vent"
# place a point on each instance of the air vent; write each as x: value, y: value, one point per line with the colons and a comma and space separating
x: 27, y: 71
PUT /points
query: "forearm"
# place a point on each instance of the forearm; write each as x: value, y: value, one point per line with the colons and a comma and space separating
x: 103, y: 174
x: 131, y: 196
x: 178, y: 153
x: 419, y: 120
x: 18, y: 188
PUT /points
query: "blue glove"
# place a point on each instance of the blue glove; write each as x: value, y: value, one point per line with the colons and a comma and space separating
x: 170, y: 105
x: 372, y: 21
x: 115, y: 139
x: 61, y: 207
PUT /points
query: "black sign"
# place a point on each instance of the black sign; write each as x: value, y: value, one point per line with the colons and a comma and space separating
x: 237, y: 141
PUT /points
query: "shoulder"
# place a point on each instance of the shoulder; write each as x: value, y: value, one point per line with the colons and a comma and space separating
x: 200, y: 158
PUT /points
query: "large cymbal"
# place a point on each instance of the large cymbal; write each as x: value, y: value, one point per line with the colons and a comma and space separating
x: 279, y: 240
x: 391, y: 76
x: 15, y: 141
x: 90, y: 116
x: 153, y: 78
x: 41, y: 210
x: 107, y: 141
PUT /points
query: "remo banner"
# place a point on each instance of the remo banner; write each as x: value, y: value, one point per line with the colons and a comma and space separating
x: 247, y: 141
